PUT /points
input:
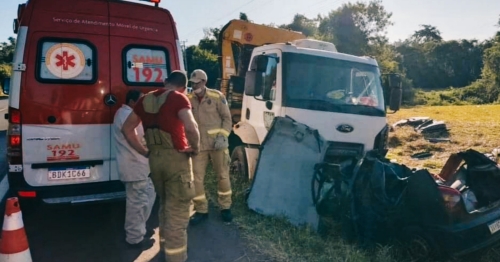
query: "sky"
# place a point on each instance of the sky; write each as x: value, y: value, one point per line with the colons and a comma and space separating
x: 456, y: 19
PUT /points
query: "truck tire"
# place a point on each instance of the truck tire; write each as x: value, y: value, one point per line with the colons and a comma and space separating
x: 239, y: 165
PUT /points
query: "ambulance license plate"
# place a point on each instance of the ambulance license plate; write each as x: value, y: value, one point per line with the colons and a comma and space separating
x: 494, y: 227
x: 68, y: 173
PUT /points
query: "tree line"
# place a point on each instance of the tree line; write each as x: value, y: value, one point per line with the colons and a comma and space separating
x: 6, y: 57
x: 468, y: 67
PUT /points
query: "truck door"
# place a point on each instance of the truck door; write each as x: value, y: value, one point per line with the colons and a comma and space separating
x: 65, y: 109
x: 138, y: 64
x: 261, y: 110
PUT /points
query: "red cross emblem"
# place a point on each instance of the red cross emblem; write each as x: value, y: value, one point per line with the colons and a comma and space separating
x: 65, y: 60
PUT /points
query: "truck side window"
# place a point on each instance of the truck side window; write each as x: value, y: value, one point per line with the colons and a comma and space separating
x: 145, y: 65
x: 66, y: 61
x: 269, y: 91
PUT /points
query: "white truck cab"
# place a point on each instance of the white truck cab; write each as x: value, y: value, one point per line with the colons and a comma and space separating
x: 307, y: 80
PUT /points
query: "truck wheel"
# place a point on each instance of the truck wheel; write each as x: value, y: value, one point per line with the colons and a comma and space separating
x: 239, y: 165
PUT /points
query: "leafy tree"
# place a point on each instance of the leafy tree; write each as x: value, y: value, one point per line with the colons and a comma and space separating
x: 210, y: 40
x: 440, y: 64
x: 6, y: 57
x: 427, y: 34
x: 491, y: 59
x: 198, y: 58
x: 354, y: 27
x: 302, y: 24
x: 244, y: 17
x: 7, y: 50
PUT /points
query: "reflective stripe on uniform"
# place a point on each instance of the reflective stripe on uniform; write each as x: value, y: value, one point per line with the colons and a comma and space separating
x: 227, y: 193
x: 175, y: 251
x: 200, y: 197
x: 218, y: 130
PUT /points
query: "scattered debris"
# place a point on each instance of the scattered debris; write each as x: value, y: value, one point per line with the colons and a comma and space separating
x: 413, y: 121
x: 437, y: 140
x: 431, y: 126
x: 421, y: 155
x: 424, y: 125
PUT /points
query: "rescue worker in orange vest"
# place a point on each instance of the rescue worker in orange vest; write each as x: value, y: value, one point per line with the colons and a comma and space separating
x: 172, y: 137
x: 212, y: 114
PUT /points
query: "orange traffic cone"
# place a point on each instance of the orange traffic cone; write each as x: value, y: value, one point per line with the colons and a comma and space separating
x: 14, y: 243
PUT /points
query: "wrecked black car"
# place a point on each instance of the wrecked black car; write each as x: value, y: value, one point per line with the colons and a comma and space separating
x: 308, y: 180
x: 450, y: 214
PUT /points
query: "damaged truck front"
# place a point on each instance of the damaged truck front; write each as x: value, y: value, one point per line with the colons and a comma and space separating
x: 338, y: 94
x: 313, y: 138
x: 295, y: 87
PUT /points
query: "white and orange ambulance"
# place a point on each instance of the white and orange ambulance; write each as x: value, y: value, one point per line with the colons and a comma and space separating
x: 74, y: 62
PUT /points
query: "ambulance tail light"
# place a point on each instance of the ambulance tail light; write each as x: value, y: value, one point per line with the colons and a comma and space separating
x: 14, y: 139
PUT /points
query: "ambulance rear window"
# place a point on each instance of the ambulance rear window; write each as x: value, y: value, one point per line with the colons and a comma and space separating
x: 145, y: 65
x: 66, y: 61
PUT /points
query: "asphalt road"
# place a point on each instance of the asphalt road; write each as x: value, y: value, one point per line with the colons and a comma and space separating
x: 94, y: 232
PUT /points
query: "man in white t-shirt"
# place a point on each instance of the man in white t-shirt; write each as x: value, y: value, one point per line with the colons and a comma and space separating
x: 133, y: 169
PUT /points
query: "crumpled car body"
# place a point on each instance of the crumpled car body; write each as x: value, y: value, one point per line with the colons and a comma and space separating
x: 459, y: 212
x: 452, y: 214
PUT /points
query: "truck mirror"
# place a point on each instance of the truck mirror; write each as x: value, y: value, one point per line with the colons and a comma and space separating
x: 261, y: 63
x: 253, y: 83
x: 238, y: 84
x: 395, y: 87
x: 6, y: 85
x: 395, y: 100
x: 394, y: 81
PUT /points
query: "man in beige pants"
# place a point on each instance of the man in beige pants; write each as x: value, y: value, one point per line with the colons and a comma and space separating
x: 212, y: 114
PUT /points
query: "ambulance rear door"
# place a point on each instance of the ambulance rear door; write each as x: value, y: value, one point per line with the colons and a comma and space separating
x: 143, y: 52
x: 66, y: 108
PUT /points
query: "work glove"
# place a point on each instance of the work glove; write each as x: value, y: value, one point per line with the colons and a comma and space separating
x: 221, y: 142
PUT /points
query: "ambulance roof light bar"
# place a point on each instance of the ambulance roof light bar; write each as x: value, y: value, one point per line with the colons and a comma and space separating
x: 157, y: 2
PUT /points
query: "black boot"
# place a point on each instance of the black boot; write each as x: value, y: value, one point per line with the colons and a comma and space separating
x: 226, y: 215
x: 198, y: 218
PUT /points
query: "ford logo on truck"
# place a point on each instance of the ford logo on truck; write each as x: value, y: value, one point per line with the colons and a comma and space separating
x: 345, y: 128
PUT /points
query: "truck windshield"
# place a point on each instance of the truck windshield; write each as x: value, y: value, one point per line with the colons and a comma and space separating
x: 328, y: 84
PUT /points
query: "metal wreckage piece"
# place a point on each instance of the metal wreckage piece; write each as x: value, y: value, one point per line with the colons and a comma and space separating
x: 287, y: 158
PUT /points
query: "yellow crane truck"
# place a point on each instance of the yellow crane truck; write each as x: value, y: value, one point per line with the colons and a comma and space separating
x: 237, y: 39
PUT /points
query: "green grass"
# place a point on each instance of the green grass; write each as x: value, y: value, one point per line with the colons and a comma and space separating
x: 439, y: 97
x: 470, y: 127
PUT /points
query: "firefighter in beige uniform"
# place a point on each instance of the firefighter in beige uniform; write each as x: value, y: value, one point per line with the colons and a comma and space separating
x: 212, y: 114
x: 172, y: 136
